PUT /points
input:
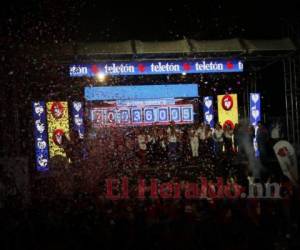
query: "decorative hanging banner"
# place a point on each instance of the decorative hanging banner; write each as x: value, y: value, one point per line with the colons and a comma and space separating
x: 123, y: 68
x: 58, y: 126
x: 228, y: 110
x: 40, y: 136
x: 208, y: 111
x: 255, y: 116
x: 255, y: 112
x: 77, y: 113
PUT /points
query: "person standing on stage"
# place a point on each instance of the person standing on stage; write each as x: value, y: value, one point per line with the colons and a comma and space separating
x: 218, y: 135
x: 142, y: 142
x: 162, y: 145
x: 151, y: 144
x: 228, y: 133
x: 236, y: 137
x: 275, y: 132
x: 208, y: 131
x: 262, y: 138
x: 194, y: 142
x: 172, y: 126
x: 172, y: 142
x: 201, y: 134
x: 186, y: 146
x: 208, y: 138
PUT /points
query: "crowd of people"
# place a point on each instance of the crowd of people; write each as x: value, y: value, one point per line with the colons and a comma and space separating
x: 166, y: 146
x: 84, y: 221
x: 69, y: 209
x: 87, y: 220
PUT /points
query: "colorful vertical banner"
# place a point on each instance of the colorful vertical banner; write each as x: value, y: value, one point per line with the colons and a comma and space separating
x: 255, y: 115
x: 40, y: 136
x: 58, y: 126
x: 208, y: 111
x: 228, y: 109
x: 77, y: 113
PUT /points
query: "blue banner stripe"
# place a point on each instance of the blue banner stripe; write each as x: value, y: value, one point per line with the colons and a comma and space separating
x: 141, y: 92
x: 156, y: 67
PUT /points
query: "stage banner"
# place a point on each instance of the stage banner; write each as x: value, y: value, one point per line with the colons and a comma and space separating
x: 156, y: 67
x: 58, y: 125
x: 255, y: 112
x: 40, y: 136
x: 77, y: 115
x: 208, y: 111
x: 228, y: 109
x: 287, y: 159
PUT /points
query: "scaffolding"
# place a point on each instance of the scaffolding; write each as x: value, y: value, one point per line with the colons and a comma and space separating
x: 291, y: 69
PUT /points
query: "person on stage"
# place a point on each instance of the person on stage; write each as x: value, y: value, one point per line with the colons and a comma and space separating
x: 200, y: 131
x: 142, y: 143
x: 194, y: 142
x: 161, y: 145
x: 228, y: 134
x: 172, y: 142
x: 218, y: 135
x: 236, y: 137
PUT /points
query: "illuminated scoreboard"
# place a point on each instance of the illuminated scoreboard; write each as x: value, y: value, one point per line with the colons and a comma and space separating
x: 142, y: 115
x: 142, y: 105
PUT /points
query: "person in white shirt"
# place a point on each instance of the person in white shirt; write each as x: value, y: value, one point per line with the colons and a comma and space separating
x: 162, y: 141
x: 194, y: 142
x: 275, y: 132
x: 201, y: 132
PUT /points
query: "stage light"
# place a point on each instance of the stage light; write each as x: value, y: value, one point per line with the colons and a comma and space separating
x: 183, y: 73
x: 100, y: 76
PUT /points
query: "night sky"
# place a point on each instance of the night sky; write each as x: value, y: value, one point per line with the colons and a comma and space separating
x: 97, y: 20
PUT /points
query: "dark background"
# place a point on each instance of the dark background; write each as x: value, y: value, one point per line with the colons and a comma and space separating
x: 155, y: 20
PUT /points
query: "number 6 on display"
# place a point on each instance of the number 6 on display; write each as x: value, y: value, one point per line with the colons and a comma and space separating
x: 149, y: 115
